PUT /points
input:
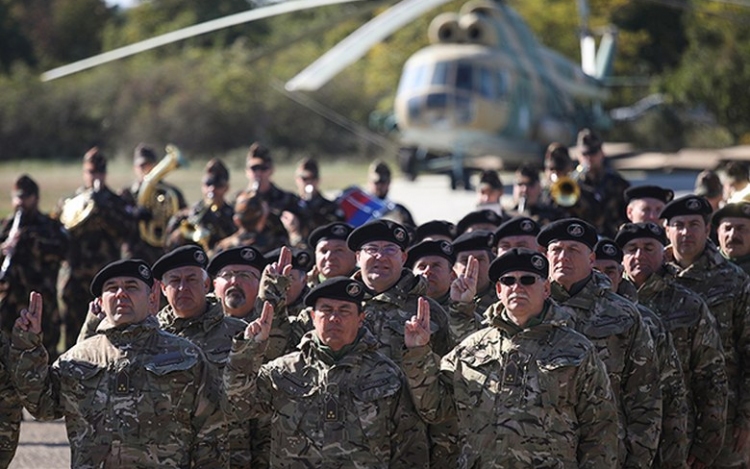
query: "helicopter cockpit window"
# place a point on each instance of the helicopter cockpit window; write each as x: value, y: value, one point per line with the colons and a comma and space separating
x: 440, y: 74
x: 464, y: 77
x: 414, y: 77
x: 486, y: 85
x: 501, y: 84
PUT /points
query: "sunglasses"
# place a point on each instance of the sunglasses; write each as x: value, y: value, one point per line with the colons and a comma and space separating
x: 526, y: 280
x: 258, y: 167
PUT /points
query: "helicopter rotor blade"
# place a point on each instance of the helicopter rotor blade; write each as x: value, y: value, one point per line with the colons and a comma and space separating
x: 185, y: 33
x: 359, y: 42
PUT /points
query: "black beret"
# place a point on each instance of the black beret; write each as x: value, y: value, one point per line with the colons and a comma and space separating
x: 474, y: 241
x: 183, y: 256
x: 736, y: 210
x: 649, y: 192
x: 631, y: 231
x: 440, y: 248
x: 521, y: 259
x: 135, y: 268
x: 588, y: 142
x: 337, y: 288
x: 378, y: 230
x: 607, y: 250
x: 435, y: 227
x: 480, y: 216
x: 517, y: 226
x: 25, y: 186
x: 301, y: 259
x: 686, y: 205
x: 243, y: 255
x: 568, y: 229
x: 335, y: 230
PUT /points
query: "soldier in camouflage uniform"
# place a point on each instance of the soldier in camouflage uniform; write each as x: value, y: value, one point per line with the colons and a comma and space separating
x: 696, y: 264
x: 337, y: 402
x: 316, y: 209
x: 606, y: 184
x: 286, y: 208
x: 732, y: 224
x: 251, y: 219
x: 379, y: 184
x: 694, y: 332
x: 528, y: 368
x: 673, y: 441
x: 479, y: 245
x: 95, y: 239
x: 645, y: 203
x: 201, y: 320
x: 617, y: 330
x: 333, y: 258
x: 518, y: 232
x: 236, y: 273
x: 210, y: 219
x: 527, y: 197
x: 10, y: 407
x: 132, y: 395
x: 30, y: 257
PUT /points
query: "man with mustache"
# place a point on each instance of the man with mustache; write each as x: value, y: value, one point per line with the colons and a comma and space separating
x: 617, y: 330
x: 695, y: 263
x: 236, y: 273
x: 333, y: 257
x: 732, y: 223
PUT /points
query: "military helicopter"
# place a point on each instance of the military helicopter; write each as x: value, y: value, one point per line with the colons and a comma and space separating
x: 485, y: 85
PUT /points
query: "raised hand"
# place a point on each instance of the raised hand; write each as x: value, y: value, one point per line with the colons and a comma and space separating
x: 417, y: 329
x: 30, y: 319
x: 464, y: 287
x: 283, y: 266
x: 95, y: 308
x: 260, y: 329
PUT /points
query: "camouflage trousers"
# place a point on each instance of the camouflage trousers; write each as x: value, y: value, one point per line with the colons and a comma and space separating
x: 10, y: 427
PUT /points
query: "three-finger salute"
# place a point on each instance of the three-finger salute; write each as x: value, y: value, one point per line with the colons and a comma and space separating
x: 417, y: 329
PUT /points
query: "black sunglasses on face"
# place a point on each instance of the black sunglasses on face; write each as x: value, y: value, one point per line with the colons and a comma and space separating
x: 258, y: 167
x: 523, y: 279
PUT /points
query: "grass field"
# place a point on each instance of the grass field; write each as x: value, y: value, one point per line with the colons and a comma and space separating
x: 57, y: 180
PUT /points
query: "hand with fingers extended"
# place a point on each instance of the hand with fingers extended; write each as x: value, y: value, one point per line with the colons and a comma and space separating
x: 260, y: 329
x: 281, y: 267
x: 464, y: 287
x: 30, y: 319
x: 417, y: 329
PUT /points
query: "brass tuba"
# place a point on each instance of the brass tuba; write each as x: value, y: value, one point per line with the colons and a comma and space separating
x: 565, y: 191
x: 79, y: 208
x: 162, y: 204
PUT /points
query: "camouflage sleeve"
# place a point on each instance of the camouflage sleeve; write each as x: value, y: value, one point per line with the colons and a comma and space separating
x: 441, y: 340
x: 409, y: 437
x: 742, y: 328
x: 673, y: 443
x: 430, y: 386
x: 597, y: 415
x: 709, y: 386
x: 462, y: 320
x: 10, y: 409
x: 641, y: 398
x: 90, y: 324
x: 273, y: 289
x: 242, y: 391
x: 209, y: 445
x: 36, y: 383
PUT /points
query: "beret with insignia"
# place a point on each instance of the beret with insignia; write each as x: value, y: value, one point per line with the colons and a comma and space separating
x: 607, y: 250
x: 440, y: 248
x: 335, y: 230
x: 568, y: 229
x: 243, y: 255
x: 435, y: 228
x: 474, y: 241
x: 649, y: 192
x: 134, y: 268
x: 378, y: 230
x: 183, y: 256
x: 736, y: 210
x: 519, y: 259
x: 337, y: 288
x: 301, y: 259
x: 687, y: 205
x: 631, y: 231
x: 517, y: 226
x: 485, y: 216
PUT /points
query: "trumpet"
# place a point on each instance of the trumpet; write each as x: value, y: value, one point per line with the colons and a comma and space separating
x: 194, y: 229
x: 14, y: 229
x: 565, y: 191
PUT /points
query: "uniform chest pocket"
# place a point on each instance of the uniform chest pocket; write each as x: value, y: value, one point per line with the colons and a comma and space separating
x: 170, y: 385
x: 476, y: 389
x: 721, y: 305
x: 556, y: 380
x: 84, y: 384
x: 297, y: 420
x: 375, y: 399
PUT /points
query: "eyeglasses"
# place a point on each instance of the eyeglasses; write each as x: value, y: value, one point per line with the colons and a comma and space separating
x: 238, y: 274
x: 258, y: 167
x: 525, y: 280
x: 388, y: 251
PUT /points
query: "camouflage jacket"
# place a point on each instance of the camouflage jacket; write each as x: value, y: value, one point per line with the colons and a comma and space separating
x: 218, y: 222
x: 280, y: 201
x: 10, y: 407
x: 485, y: 299
x: 463, y: 320
x: 726, y: 290
x: 609, y: 191
x: 387, y: 312
x: 696, y: 339
x: 332, y: 410
x: 623, y: 343
x: 743, y: 262
x: 537, y: 396
x: 131, y: 396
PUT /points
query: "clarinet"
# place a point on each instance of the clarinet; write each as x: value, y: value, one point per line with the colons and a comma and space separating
x: 5, y: 268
